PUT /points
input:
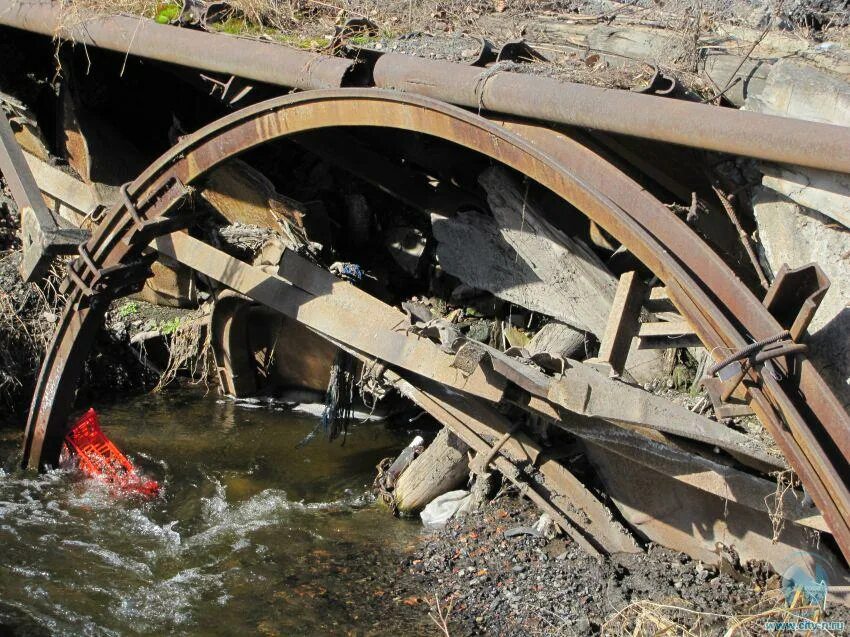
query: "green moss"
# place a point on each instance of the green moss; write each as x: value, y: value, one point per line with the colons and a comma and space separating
x: 128, y: 309
x: 170, y: 327
x: 243, y: 27
x: 167, y: 12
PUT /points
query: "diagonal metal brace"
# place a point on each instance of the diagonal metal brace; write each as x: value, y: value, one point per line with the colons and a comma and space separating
x: 43, y: 236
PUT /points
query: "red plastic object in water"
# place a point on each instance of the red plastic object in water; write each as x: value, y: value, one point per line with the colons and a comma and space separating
x: 97, y: 456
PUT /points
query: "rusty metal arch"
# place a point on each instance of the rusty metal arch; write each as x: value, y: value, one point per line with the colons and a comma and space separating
x: 720, y: 308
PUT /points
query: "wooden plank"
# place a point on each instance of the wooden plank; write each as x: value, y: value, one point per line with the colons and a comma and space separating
x: 665, y: 328
x: 61, y: 186
x: 520, y: 257
x: 622, y: 322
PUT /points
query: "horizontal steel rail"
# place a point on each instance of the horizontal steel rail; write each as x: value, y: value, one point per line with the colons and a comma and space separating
x: 212, y: 52
x: 766, y: 137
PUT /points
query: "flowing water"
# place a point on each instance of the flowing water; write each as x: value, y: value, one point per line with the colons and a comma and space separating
x: 251, y: 534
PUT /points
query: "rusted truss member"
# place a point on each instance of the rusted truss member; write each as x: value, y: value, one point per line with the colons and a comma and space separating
x: 778, y: 139
x: 701, y: 286
x: 43, y: 236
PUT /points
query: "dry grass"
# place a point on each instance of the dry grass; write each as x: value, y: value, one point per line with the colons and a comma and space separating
x: 189, y: 349
x: 439, y: 614
x: 310, y: 23
x: 651, y: 619
x: 28, y: 317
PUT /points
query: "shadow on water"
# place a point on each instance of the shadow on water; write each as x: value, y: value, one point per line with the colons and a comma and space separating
x: 251, y: 535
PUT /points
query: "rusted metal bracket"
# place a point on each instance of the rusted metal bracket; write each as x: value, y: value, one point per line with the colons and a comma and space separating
x: 42, y: 235
x: 110, y: 282
x: 795, y: 295
x: 147, y: 220
x: 793, y: 298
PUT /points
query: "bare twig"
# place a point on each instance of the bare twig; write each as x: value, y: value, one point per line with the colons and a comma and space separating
x: 440, y: 614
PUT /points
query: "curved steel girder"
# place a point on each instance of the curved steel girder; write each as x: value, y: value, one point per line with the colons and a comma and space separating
x: 706, y: 292
x: 229, y: 327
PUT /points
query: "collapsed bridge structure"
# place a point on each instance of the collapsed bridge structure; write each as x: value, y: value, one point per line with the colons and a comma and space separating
x: 668, y: 474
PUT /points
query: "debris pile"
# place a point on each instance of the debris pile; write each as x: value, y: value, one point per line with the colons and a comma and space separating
x: 632, y: 310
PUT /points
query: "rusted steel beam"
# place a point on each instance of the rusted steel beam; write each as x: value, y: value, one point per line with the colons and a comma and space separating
x: 213, y: 52
x: 697, y: 471
x: 340, y: 311
x: 582, y: 390
x: 676, y: 515
x: 42, y: 236
x: 704, y: 291
x: 702, y: 286
x: 453, y: 414
x: 767, y: 137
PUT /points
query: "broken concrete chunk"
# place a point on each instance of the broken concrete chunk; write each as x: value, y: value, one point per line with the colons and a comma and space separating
x: 522, y: 258
x: 797, y: 236
x: 801, y: 91
x: 820, y: 190
x: 804, y: 92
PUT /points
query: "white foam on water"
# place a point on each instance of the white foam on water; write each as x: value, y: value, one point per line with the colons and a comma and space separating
x: 111, y: 558
x: 167, y: 603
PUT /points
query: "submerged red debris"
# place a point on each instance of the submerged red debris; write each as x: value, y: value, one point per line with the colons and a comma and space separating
x: 97, y: 456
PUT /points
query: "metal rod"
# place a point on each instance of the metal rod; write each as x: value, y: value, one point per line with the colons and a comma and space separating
x: 213, y: 52
x: 768, y: 137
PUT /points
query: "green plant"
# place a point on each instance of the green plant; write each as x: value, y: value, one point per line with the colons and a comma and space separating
x: 167, y: 12
x: 169, y: 327
x: 130, y: 308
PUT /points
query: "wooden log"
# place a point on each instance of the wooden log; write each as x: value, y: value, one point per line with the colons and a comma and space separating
x: 442, y: 467
x: 242, y: 194
x: 557, y: 339
x: 522, y: 258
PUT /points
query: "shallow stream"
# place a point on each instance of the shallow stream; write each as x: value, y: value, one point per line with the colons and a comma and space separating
x: 251, y: 535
